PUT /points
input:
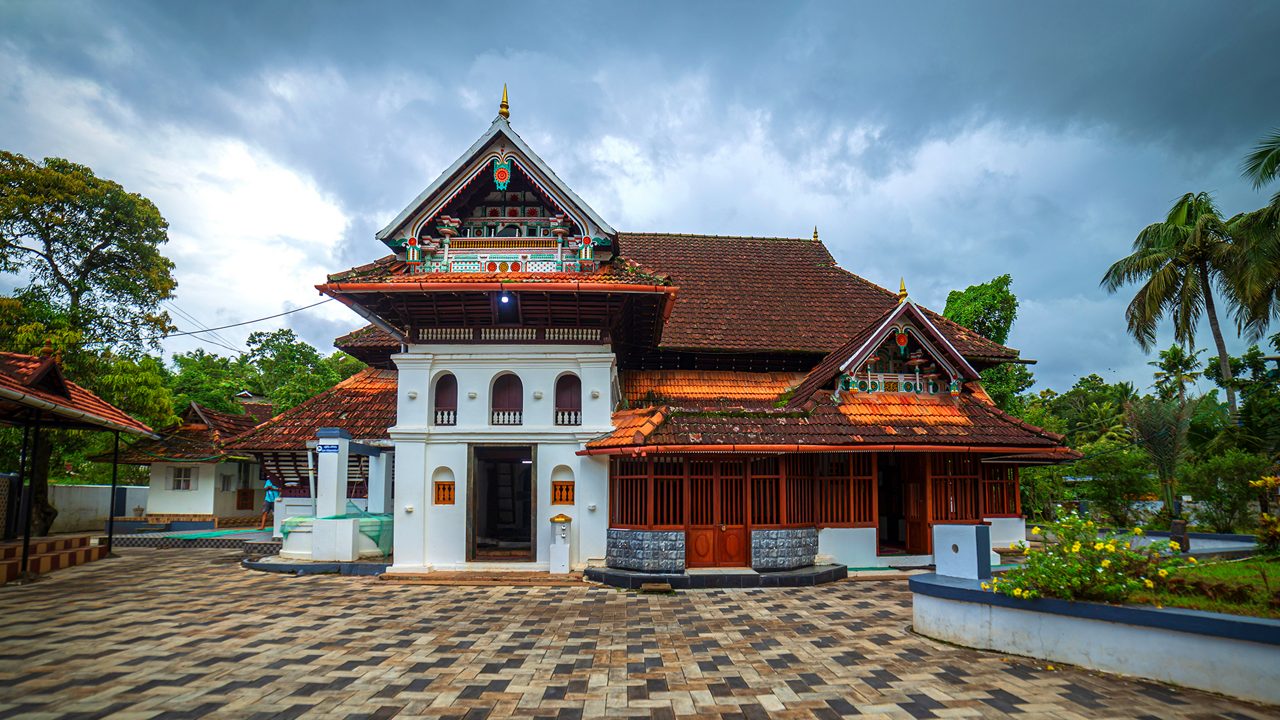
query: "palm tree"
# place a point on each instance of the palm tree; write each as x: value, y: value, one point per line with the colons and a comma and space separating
x: 1175, y: 370
x: 1160, y: 428
x: 1180, y: 262
x: 1258, y: 275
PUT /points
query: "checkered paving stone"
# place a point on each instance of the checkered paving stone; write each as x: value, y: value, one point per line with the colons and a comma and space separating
x: 190, y: 634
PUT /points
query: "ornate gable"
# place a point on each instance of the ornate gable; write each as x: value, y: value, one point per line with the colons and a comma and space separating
x: 499, y: 208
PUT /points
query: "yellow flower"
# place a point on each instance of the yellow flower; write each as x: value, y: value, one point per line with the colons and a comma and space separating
x: 1017, y: 592
x: 985, y: 586
x: 1075, y: 548
x: 1164, y: 573
x: 1099, y: 546
x: 1106, y: 562
x: 1148, y: 583
x: 1137, y: 531
x: 1013, y: 546
x: 1111, y: 547
x: 1035, y: 531
x: 1191, y: 560
x: 1048, y: 667
x: 1026, y: 550
x: 1174, y: 546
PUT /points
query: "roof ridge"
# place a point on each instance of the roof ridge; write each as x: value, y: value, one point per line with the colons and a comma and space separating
x: 720, y: 237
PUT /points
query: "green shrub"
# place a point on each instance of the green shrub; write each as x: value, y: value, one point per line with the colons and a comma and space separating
x: 1081, y: 565
x: 1118, y: 475
x: 1221, y: 484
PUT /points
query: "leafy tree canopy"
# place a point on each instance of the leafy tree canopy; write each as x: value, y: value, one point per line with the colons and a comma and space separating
x: 988, y: 309
x: 88, y: 246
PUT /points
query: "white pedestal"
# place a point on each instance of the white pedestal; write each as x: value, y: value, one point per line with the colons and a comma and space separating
x: 335, y: 540
x: 962, y: 551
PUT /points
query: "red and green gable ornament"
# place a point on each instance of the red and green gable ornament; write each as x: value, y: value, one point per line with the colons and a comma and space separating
x: 501, y: 173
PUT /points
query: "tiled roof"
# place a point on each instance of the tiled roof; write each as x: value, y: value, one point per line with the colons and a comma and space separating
x: 860, y: 419
x: 631, y: 427
x: 363, y: 405
x: 770, y: 294
x: 200, y: 436
x: 648, y: 386
x: 40, y: 378
x: 369, y: 336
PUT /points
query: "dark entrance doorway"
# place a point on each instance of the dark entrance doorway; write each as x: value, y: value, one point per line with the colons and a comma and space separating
x: 891, y: 532
x: 502, y: 510
x: 718, y: 535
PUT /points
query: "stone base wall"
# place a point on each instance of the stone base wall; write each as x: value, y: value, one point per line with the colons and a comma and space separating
x: 783, y: 549
x: 660, y: 551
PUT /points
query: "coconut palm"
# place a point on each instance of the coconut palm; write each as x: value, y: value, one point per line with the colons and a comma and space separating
x: 1180, y: 262
x: 1175, y: 370
x: 1258, y: 274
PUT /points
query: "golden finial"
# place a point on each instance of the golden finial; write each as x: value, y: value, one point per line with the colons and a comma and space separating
x: 815, y: 233
x: 503, y: 108
x: 902, y: 290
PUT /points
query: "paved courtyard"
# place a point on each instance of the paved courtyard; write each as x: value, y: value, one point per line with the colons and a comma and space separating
x: 188, y: 634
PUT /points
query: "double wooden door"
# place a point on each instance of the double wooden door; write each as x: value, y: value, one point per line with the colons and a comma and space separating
x: 915, y: 504
x: 718, y: 534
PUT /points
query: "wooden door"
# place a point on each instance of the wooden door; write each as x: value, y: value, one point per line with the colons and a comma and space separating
x: 915, y: 503
x: 733, y: 548
x: 717, y: 535
x: 244, y: 498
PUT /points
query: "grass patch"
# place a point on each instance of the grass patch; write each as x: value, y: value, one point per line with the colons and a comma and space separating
x: 1236, y: 587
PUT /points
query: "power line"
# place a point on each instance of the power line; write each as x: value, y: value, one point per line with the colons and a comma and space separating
x: 246, y: 322
x: 204, y: 328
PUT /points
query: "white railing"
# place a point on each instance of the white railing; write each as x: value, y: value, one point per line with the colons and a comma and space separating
x: 568, y: 417
x: 427, y: 334
x: 579, y: 334
x: 508, y: 417
x: 899, y: 383
x: 514, y: 333
x: 446, y: 417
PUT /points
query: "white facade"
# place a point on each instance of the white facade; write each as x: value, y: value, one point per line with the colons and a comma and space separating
x: 209, y: 489
x: 435, y: 537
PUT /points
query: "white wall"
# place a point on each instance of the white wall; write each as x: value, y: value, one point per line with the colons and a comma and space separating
x: 434, y: 537
x: 1233, y: 667
x: 853, y: 547
x: 207, y: 498
x: 85, y: 507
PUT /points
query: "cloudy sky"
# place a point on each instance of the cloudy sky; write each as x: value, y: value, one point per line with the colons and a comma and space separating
x: 944, y: 142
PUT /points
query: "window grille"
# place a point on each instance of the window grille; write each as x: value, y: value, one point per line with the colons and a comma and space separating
x: 443, y: 492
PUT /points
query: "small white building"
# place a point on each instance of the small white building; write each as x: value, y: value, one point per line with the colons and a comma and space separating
x: 195, y: 481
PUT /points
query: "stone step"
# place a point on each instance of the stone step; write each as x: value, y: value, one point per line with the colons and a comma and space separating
x: 522, y: 579
x: 43, y: 563
x: 44, y: 545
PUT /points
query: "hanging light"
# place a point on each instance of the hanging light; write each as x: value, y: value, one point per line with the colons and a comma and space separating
x: 504, y: 297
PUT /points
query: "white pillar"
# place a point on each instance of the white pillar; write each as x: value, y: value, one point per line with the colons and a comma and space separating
x: 380, y: 482
x: 409, y: 531
x: 332, y: 454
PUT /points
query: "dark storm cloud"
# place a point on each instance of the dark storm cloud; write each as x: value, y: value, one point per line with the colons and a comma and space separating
x: 1083, y: 120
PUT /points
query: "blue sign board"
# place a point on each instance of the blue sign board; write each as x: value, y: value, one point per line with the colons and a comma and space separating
x: 326, y: 448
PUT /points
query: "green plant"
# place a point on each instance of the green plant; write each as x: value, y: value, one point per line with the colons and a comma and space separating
x: 1268, y: 524
x: 1081, y: 564
x: 1223, y: 486
x: 1118, y: 475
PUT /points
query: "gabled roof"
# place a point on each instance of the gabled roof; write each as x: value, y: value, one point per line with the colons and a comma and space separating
x: 754, y: 294
x: 645, y: 387
x: 34, y: 387
x: 474, y: 160
x: 200, y: 436
x: 861, y: 345
x: 363, y: 405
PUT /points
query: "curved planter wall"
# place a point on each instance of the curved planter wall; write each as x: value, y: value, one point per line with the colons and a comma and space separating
x: 1229, y: 654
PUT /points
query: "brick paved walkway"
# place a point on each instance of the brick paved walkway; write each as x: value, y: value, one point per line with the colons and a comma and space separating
x: 168, y: 634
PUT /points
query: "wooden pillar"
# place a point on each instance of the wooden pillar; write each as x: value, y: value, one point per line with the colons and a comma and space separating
x: 927, y: 458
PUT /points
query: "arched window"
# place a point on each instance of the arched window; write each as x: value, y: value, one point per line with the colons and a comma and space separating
x: 508, y: 400
x: 445, y: 411
x: 568, y: 400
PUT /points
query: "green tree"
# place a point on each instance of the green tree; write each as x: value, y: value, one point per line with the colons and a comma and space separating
x: 288, y: 370
x: 1221, y: 484
x: 1262, y: 166
x: 210, y: 380
x: 1180, y: 262
x: 1118, y: 474
x: 88, y: 246
x: 990, y: 310
x: 89, y: 254
x: 1159, y: 428
x: 1258, y: 268
x: 1175, y: 370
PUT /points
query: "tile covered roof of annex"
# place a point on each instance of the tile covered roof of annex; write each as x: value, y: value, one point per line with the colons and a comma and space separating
x: 859, y: 419
x: 200, y: 436
x: 23, y: 374
x: 645, y: 387
x: 363, y: 405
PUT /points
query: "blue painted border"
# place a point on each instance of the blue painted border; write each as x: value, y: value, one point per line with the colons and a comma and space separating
x: 1197, y: 622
